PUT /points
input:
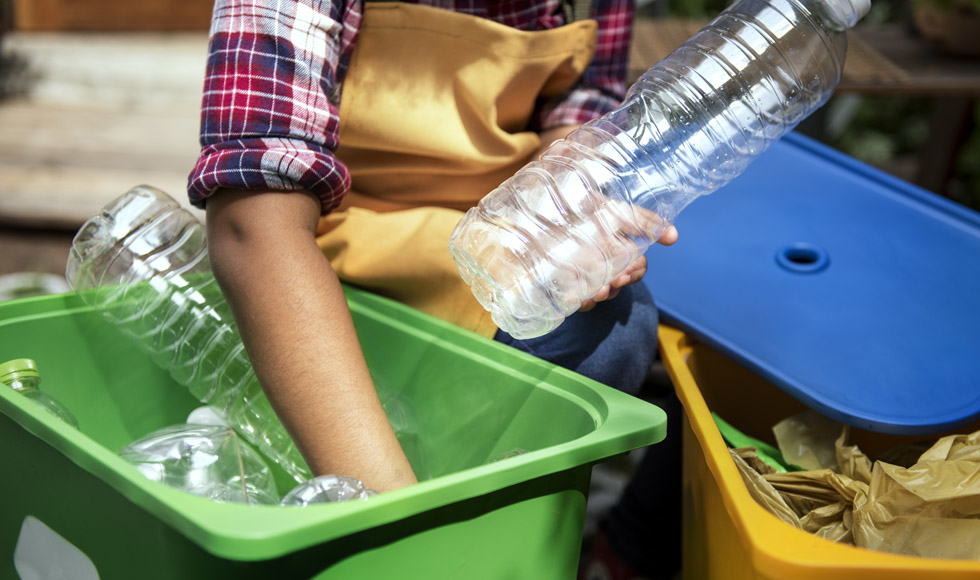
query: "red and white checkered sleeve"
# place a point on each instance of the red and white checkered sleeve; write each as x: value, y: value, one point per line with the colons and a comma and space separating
x: 603, y: 84
x: 269, y: 110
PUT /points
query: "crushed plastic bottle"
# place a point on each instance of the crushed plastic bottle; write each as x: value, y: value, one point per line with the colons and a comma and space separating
x: 143, y: 263
x: 567, y: 224
x: 22, y: 376
x: 404, y: 422
x: 327, y: 488
x: 516, y: 452
x: 206, y: 460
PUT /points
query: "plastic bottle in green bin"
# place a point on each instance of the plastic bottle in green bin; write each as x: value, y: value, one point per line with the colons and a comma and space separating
x: 205, y: 460
x: 327, y: 489
x: 143, y: 263
x: 22, y: 376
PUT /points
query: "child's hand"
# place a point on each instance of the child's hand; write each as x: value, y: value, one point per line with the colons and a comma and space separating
x: 631, y: 275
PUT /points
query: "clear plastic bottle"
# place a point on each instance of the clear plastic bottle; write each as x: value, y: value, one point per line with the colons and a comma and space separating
x: 404, y: 421
x: 326, y: 489
x: 143, y: 263
x: 206, y: 460
x: 565, y: 225
x: 22, y: 376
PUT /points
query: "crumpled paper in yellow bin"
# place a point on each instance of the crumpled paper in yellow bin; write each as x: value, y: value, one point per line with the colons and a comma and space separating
x: 930, y: 508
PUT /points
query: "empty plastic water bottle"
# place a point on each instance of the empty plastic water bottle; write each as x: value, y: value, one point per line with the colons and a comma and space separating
x: 404, y: 421
x: 143, y: 263
x: 206, y: 460
x: 21, y: 375
x: 567, y: 224
x: 327, y: 488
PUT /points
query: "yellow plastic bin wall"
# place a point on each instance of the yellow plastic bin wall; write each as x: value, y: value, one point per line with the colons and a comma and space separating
x: 726, y: 533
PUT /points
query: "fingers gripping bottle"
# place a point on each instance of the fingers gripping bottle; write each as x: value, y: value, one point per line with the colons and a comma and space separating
x: 143, y: 263
x: 570, y: 222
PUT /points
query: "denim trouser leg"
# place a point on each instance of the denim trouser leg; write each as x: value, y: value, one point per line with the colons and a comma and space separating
x: 615, y: 343
x: 644, y: 527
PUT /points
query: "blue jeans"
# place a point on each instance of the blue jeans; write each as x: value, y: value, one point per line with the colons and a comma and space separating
x: 615, y: 343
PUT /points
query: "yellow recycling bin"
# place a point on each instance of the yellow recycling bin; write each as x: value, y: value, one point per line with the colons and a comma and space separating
x: 726, y: 533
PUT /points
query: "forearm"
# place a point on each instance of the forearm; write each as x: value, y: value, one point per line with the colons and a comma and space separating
x: 297, y: 329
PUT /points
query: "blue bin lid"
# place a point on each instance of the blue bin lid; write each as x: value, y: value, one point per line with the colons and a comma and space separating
x: 853, y: 291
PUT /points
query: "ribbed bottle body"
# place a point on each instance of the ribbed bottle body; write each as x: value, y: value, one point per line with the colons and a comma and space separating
x: 698, y: 118
x: 567, y: 224
x: 143, y: 263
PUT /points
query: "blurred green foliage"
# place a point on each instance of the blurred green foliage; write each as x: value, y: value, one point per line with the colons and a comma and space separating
x: 952, y: 5
x: 966, y: 184
x: 880, y: 130
x: 883, y: 128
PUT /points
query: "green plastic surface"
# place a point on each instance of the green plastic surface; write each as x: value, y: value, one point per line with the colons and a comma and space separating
x: 766, y: 452
x: 474, y: 400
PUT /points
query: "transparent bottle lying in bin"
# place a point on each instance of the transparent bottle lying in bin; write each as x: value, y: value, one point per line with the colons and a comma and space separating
x: 565, y: 225
x: 205, y: 460
x: 143, y: 263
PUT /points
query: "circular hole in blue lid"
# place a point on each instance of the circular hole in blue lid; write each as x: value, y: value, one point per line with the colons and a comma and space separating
x: 802, y: 257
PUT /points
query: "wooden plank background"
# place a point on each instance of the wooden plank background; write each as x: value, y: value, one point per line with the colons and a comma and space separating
x: 109, y: 15
x: 105, y: 112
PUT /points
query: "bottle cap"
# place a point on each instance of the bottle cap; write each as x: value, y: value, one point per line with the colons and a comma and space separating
x: 846, y: 13
x: 861, y: 8
x: 18, y: 368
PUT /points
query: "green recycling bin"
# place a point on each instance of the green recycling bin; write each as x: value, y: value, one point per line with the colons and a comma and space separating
x: 70, y: 503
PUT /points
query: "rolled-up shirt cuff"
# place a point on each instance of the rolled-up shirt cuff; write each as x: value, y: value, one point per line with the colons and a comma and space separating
x: 576, y: 107
x: 267, y: 163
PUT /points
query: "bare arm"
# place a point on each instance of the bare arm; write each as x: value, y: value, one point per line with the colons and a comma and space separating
x: 298, y: 332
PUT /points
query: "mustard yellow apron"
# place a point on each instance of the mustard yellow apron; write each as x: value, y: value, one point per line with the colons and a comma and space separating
x: 433, y: 112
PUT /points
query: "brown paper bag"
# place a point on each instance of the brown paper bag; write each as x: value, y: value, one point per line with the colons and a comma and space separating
x: 930, y: 508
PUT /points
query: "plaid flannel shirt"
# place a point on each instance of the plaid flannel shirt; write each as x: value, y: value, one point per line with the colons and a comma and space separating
x: 269, y: 117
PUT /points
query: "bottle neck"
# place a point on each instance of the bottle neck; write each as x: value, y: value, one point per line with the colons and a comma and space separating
x: 23, y: 384
x: 843, y: 13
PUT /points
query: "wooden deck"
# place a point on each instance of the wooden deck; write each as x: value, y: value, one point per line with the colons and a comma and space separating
x: 107, y: 111
x: 104, y: 113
